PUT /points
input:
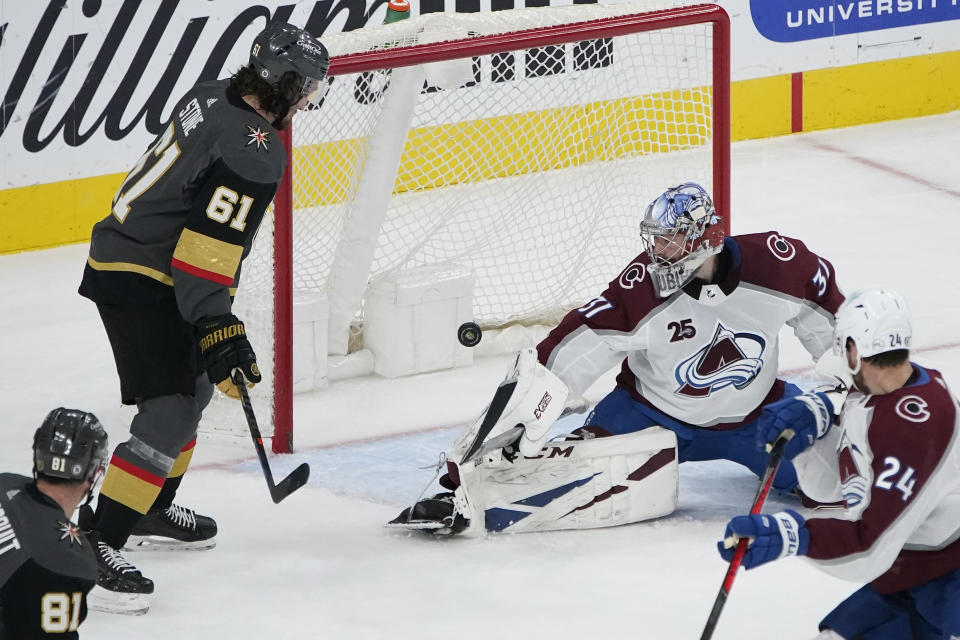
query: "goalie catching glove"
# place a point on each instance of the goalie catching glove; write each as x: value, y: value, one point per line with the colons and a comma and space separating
x: 224, y: 347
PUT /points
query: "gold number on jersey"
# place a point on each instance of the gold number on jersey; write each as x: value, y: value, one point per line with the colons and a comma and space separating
x: 60, y: 613
x: 163, y: 154
x: 222, y: 204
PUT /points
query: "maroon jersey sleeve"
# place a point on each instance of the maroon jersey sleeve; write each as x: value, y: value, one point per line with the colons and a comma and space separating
x: 620, y: 308
x: 786, y: 265
x: 596, y: 337
x: 911, y: 441
x: 783, y: 267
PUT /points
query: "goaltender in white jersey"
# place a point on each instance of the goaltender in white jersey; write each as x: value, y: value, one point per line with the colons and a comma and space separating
x: 694, y: 322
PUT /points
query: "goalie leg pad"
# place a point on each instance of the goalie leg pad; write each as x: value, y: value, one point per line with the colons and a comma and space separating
x: 573, y: 484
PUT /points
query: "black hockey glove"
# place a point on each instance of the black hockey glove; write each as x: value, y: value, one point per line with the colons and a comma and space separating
x: 224, y: 347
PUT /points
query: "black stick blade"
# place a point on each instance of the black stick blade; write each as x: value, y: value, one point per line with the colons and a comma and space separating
x: 490, y: 417
x: 297, y: 478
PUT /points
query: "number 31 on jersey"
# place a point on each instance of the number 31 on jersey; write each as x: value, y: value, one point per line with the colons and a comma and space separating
x: 595, y: 306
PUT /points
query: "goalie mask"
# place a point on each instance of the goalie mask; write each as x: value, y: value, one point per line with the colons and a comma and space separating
x: 70, y: 445
x: 680, y: 230
x: 877, y: 321
x: 292, y: 62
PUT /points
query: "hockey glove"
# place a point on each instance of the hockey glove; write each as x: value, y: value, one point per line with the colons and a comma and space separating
x: 771, y: 536
x: 809, y: 415
x: 519, y: 417
x: 224, y: 347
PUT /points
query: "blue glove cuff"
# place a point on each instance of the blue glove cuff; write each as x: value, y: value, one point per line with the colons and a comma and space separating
x: 793, y: 534
x: 827, y: 402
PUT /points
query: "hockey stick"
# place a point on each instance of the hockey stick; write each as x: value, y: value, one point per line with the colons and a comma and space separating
x: 776, y: 454
x: 297, y: 478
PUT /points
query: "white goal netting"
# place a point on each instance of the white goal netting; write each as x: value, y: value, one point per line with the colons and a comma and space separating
x: 530, y: 166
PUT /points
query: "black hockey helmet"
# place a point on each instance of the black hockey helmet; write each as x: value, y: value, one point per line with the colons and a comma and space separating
x: 70, y: 444
x: 281, y: 48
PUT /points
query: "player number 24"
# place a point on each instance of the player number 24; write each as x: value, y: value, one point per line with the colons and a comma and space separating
x: 59, y: 612
x: 888, y: 480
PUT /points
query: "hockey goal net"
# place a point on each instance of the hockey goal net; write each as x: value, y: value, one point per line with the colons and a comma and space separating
x: 521, y: 144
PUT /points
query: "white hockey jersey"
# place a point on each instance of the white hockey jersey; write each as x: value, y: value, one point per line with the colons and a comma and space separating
x: 708, y: 354
x: 898, y: 460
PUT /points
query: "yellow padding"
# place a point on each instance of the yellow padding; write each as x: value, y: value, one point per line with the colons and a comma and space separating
x: 500, y: 146
x: 877, y: 91
x: 181, y: 463
x: 58, y: 213
x: 129, y: 490
x: 53, y: 214
x: 207, y: 253
x: 760, y: 108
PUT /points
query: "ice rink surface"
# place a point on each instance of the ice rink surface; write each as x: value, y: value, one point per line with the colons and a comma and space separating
x: 882, y: 202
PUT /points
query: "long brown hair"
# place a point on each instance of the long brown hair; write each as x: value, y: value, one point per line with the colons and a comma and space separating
x: 275, y: 99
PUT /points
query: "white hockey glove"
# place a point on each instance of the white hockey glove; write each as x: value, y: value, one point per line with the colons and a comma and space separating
x: 525, y: 406
x: 831, y: 365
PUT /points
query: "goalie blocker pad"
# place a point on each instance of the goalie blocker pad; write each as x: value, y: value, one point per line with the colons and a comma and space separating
x: 572, y: 484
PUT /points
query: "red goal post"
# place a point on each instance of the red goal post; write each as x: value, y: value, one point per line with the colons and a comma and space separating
x: 712, y: 118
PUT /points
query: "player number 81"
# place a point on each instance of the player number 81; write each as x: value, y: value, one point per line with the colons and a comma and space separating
x: 60, y: 613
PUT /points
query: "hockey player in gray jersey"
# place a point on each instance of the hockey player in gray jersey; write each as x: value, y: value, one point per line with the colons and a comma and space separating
x: 163, y: 268
x: 47, y: 567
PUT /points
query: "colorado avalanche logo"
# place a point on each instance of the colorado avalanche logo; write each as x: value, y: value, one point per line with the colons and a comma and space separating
x: 780, y: 248
x: 852, y: 483
x: 632, y: 275
x: 730, y: 359
x: 913, y: 408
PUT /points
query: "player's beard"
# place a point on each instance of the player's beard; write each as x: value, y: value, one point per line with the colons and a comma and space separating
x: 860, y: 383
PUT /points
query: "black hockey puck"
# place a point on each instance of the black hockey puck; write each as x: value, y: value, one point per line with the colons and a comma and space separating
x: 469, y: 334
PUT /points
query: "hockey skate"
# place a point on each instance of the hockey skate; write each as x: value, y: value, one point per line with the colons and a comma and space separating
x: 121, y: 588
x: 172, y: 529
x: 437, y: 515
